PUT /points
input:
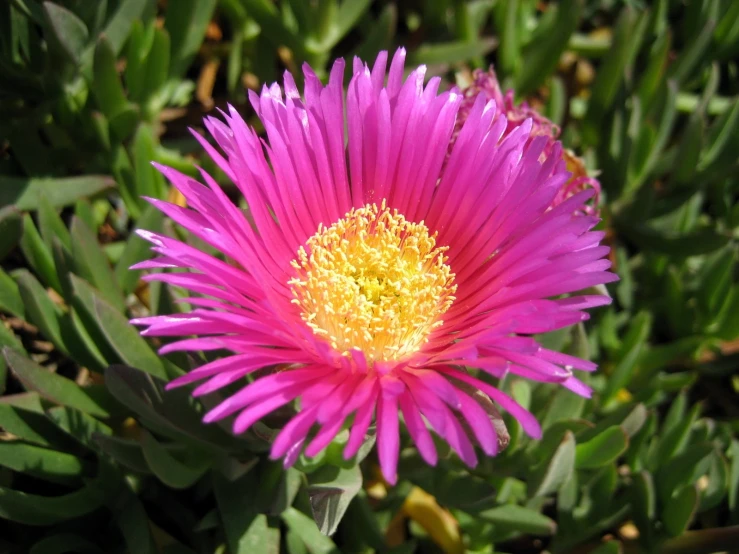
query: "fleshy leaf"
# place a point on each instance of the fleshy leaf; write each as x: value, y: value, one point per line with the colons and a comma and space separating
x: 330, y: 490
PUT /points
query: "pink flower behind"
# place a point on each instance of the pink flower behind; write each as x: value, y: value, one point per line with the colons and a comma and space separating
x: 371, y: 277
x: 487, y: 84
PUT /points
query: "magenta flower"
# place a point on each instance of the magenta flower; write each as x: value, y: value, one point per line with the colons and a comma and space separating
x: 366, y: 279
x: 486, y: 83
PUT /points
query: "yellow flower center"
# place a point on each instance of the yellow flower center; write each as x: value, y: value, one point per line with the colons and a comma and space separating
x: 373, y: 281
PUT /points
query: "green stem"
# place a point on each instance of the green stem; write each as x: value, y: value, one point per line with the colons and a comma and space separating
x: 589, y: 47
x: 687, y: 103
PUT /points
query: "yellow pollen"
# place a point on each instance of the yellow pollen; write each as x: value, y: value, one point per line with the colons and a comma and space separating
x: 373, y: 281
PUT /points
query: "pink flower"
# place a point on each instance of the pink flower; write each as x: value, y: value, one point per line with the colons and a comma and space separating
x: 487, y: 84
x: 369, y: 279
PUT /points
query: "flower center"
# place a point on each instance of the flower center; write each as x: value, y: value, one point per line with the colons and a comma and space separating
x: 373, y: 281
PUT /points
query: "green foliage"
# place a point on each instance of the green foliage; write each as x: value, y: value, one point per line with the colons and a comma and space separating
x: 95, y: 456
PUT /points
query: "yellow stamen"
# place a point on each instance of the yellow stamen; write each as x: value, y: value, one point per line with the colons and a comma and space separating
x: 373, y: 281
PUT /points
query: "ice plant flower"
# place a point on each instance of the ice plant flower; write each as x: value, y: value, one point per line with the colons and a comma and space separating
x: 366, y: 281
x: 486, y: 83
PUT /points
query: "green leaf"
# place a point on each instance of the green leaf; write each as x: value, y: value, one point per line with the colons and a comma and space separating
x: 681, y: 470
x: 380, y: 35
x: 38, y: 255
x: 171, y: 471
x: 558, y: 101
x: 43, y: 463
x: 119, y: 26
x: 100, y: 127
x: 106, y: 83
x: 67, y: 32
x: 29, y: 423
x: 454, y: 489
x: 157, y: 63
x: 92, y: 265
x: 306, y: 529
x: 631, y: 349
x: 650, y: 151
x: 634, y: 421
x: 10, y: 299
x: 239, y: 504
x: 690, y: 146
x: 9, y: 339
x: 290, y: 481
x: 659, y: 357
x: 137, y: 249
x: 84, y: 210
x: 692, y: 53
x: 626, y: 41
x: 31, y: 10
x: 719, y: 137
x: 688, y: 151
x: 726, y: 35
x: 350, y: 12
x: 563, y: 407
x: 294, y: 544
x: 210, y: 520
x: 122, y: 125
x: 53, y: 387
x: 32, y: 509
x: 11, y: 230
x: 29, y: 401
x: 630, y: 418
x: 186, y: 24
x: 727, y: 321
x: 330, y: 490
x: 448, y: 52
x: 117, y: 331
x: 235, y: 63
x: 128, y: 453
x: 51, y: 225
x: 40, y: 310
x: 654, y: 73
x: 506, y: 18
x: 674, y: 439
x: 718, y: 481
x: 266, y: 14
x: 644, y: 502
x: 517, y: 518
x: 79, y: 425
x: 675, y: 414
x: 361, y: 523
x: 25, y: 192
x: 132, y: 520
x: 715, y: 279
x: 64, y: 262
x: 541, y: 56
x: 64, y: 543
x: 601, y: 449
x: 149, y: 181
x: 680, y: 509
x: 172, y: 413
x: 137, y: 50
x: 557, y: 470
x: 733, y: 454
x: 97, y: 354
